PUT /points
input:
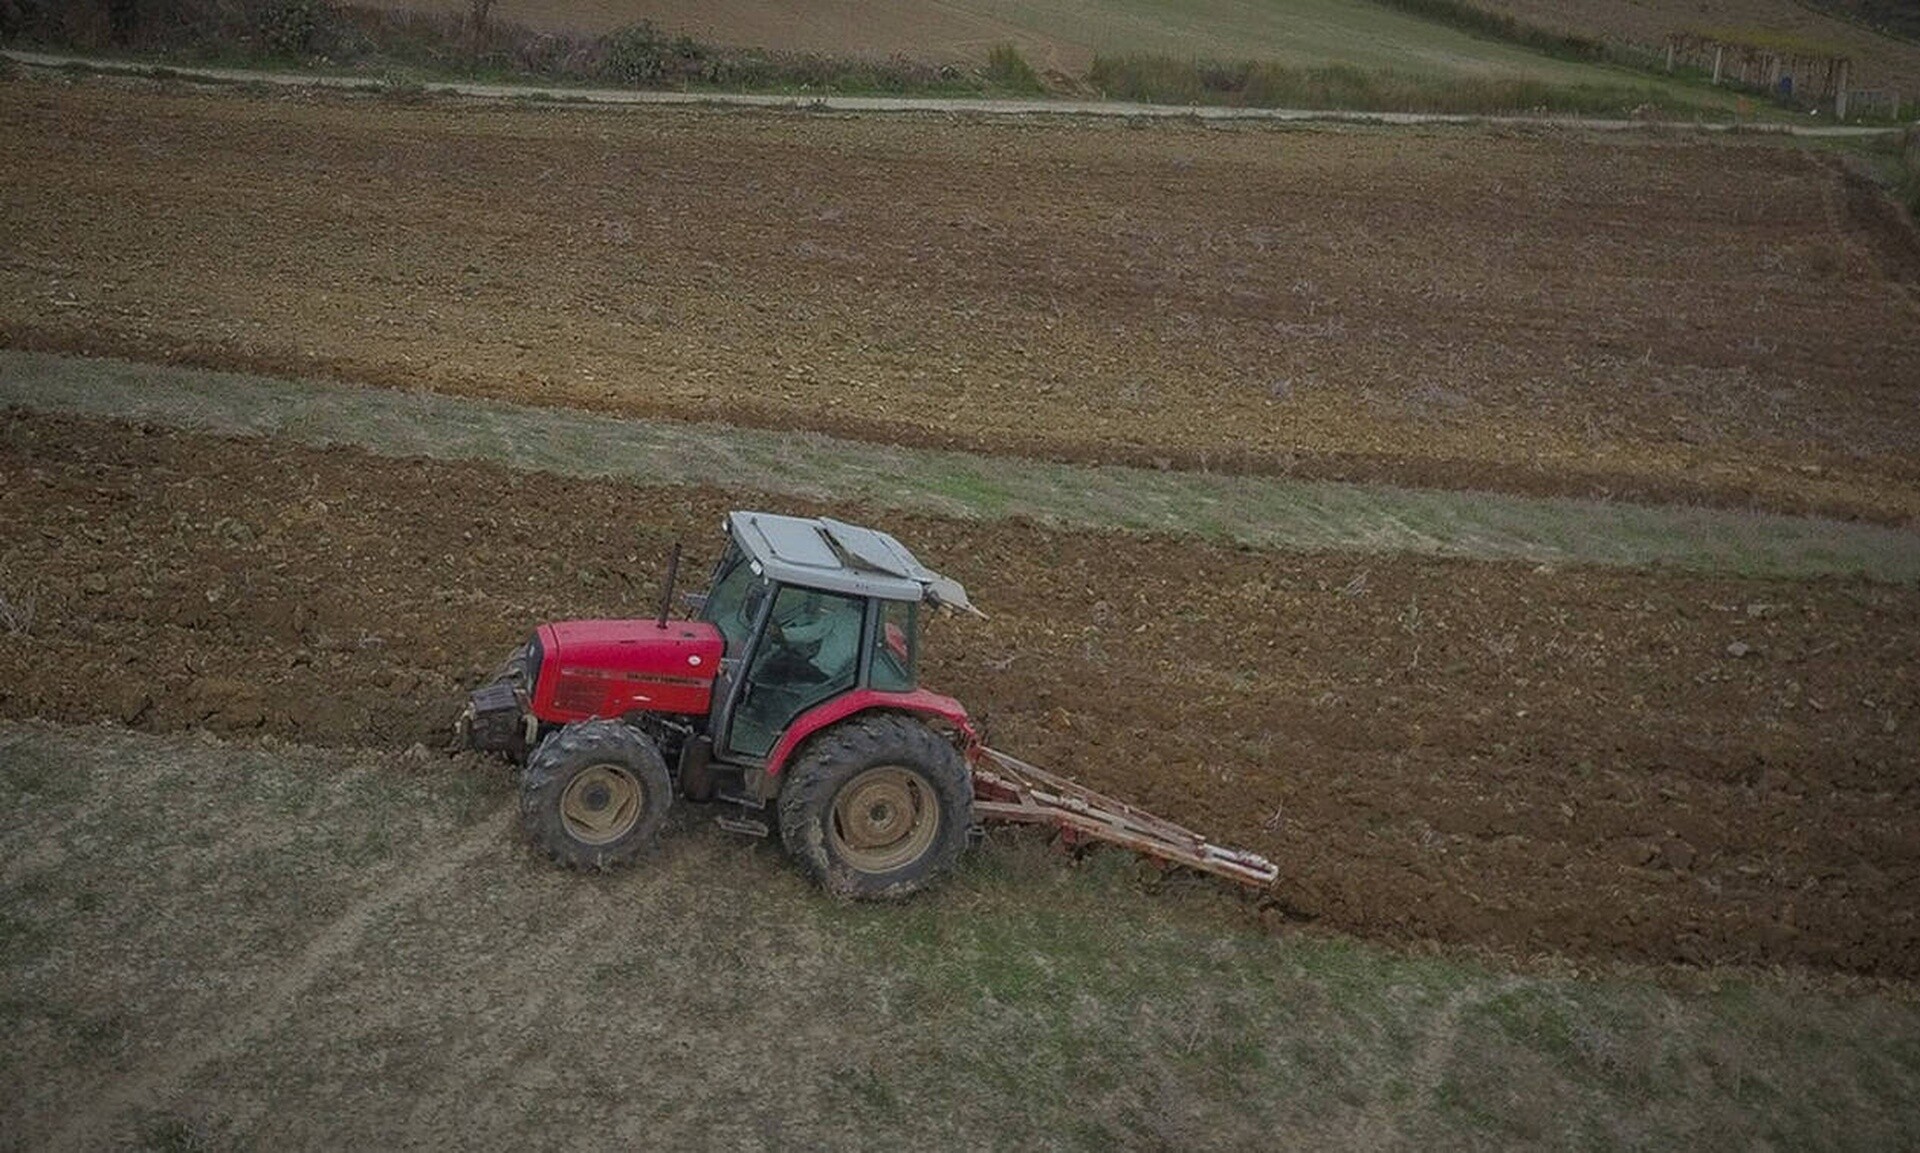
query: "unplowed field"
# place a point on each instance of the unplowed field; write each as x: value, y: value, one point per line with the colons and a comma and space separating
x: 1602, y: 763
x: 1876, y: 59
x: 1648, y: 317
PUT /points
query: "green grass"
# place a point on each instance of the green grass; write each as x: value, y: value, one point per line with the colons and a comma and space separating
x: 459, y: 991
x: 1267, y: 512
x: 1263, y: 84
x: 1409, y: 48
x: 1298, y: 33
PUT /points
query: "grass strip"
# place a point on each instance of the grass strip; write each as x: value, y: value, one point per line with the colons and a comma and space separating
x: 1265, y: 512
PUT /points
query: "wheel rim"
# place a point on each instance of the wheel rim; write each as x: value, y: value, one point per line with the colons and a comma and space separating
x: 602, y: 804
x: 884, y: 818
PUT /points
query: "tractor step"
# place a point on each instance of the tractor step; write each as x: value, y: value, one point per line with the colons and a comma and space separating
x: 744, y: 825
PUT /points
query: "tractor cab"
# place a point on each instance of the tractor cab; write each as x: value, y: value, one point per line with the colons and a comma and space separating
x: 809, y: 611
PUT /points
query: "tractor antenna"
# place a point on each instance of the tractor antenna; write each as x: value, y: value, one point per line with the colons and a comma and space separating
x: 673, y: 574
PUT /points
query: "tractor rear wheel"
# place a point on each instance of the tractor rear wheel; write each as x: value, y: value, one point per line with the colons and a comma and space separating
x: 877, y: 807
x: 594, y: 794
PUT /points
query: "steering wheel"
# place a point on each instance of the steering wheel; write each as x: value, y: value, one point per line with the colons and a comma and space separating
x: 798, y: 620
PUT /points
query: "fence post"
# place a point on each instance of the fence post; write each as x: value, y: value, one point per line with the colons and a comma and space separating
x: 1719, y: 50
x: 1840, y: 94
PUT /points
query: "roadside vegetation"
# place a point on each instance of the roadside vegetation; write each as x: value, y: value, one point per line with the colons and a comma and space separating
x: 416, y: 45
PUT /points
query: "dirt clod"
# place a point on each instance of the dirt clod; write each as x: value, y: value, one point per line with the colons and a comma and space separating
x: 1676, y: 854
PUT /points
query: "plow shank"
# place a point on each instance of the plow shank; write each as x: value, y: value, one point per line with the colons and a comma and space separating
x: 1008, y: 789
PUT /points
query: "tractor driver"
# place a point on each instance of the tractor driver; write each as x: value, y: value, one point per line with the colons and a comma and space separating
x: 817, y: 636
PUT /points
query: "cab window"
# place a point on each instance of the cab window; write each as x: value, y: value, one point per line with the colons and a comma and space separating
x: 809, y: 654
x: 734, y: 599
x: 894, y: 643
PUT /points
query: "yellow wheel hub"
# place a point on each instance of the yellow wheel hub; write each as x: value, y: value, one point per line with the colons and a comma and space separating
x: 602, y: 804
x: 883, y: 819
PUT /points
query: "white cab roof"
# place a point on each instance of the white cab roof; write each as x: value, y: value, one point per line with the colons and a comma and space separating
x: 823, y: 553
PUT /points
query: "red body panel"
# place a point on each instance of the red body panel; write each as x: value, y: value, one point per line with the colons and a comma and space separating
x: 611, y: 668
x: 921, y: 701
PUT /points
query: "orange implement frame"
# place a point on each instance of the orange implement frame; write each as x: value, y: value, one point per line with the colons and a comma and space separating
x: 1009, y: 789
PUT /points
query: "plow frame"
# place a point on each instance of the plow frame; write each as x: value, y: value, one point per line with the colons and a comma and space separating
x: 1006, y: 788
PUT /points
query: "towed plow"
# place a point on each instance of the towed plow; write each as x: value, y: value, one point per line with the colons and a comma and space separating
x: 793, y: 695
x: 1006, y: 788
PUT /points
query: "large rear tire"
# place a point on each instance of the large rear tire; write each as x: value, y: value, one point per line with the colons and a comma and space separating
x: 594, y: 794
x: 877, y: 807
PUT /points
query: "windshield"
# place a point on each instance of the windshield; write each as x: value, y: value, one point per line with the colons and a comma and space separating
x: 732, y: 601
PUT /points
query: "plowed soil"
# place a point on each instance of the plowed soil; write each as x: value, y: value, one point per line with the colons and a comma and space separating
x: 1731, y: 322
x: 1599, y: 763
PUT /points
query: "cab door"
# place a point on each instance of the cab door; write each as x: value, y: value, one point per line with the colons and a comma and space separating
x: 808, y: 652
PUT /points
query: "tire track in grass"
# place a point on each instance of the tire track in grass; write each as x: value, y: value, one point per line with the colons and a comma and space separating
x: 1264, y: 512
x: 156, y: 1082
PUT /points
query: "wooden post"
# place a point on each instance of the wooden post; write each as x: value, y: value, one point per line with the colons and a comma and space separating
x: 1840, y: 94
x: 1719, y: 50
x: 1669, y: 56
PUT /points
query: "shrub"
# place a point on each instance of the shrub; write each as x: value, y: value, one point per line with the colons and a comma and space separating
x: 636, y: 54
x: 290, y: 27
x: 1008, y: 70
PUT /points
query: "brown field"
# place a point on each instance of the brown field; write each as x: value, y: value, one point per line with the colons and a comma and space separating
x: 1569, y: 761
x: 1729, y: 322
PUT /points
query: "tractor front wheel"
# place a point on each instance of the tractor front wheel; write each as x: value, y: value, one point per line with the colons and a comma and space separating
x: 594, y: 794
x: 877, y: 807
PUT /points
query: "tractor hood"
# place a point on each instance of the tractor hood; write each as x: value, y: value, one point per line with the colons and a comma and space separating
x: 609, y: 668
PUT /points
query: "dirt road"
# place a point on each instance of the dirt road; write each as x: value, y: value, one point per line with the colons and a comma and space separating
x: 963, y: 106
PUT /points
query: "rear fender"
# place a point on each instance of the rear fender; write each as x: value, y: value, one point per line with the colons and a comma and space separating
x: 929, y: 706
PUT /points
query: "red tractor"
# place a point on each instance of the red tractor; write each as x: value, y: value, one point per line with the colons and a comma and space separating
x: 795, y: 689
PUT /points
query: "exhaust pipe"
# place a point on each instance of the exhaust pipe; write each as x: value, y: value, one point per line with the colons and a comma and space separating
x: 673, y: 575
